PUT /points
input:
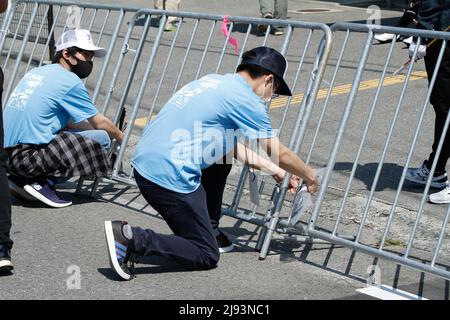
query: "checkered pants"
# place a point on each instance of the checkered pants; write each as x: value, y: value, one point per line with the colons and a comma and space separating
x: 68, y: 155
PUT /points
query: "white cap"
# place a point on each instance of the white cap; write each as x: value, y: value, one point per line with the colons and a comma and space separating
x: 81, y: 39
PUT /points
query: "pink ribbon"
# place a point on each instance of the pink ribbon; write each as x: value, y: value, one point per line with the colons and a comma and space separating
x: 225, y: 32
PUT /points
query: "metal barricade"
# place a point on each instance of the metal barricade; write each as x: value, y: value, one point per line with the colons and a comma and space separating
x: 197, y: 48
x: 143, y: 51
x: 40, y: 31
x: 107, y: 24
x: 384, y: 128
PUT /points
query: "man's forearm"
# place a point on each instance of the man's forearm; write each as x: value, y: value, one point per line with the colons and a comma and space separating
x: 255, y: 161
x: 80, y: 126
x: 290, y: 162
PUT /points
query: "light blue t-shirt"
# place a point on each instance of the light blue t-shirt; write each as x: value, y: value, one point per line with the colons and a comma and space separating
x: 197, y: 127
x: 42, y: 103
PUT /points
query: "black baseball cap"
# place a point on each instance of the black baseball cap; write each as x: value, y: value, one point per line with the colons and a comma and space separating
x: 272, y: 61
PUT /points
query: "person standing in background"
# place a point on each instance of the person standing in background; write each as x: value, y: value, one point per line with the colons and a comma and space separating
x: 408, y: 19
x: 435, y: 15
x: 169, y: 5
x: 273, y: 9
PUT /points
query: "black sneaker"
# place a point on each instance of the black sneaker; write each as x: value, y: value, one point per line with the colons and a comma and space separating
x: 279, y: 31
x: 224, y: 243
x: 16, y: 185
x: 263, y: 27
x: 120, y: 249
x: 6, y: 265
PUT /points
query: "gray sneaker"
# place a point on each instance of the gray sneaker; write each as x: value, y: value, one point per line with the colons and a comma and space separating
x: 420, y: 176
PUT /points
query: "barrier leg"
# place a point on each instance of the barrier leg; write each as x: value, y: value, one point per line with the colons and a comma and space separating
x: 79, y: 186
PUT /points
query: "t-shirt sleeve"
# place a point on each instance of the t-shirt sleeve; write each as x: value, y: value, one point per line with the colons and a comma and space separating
x: 78, y: 104
x: 252, y: 120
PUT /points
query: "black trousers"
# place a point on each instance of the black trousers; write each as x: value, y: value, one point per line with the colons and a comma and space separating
x: 214, y: 179
x: 5, y: 201
x: 440, y: 99
x: 193, y: 218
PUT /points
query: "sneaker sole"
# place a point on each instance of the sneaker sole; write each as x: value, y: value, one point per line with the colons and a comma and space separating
x: 6, y: 265
x: 43, y: 199
x: 20, y: 192
x: 226, y: 249
x: 112, y: 251
x: 438, y: 201
x: 439, y: 185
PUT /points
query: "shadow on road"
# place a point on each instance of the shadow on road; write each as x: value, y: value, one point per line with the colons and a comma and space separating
x: 432, y: 289
x: 389, y: 176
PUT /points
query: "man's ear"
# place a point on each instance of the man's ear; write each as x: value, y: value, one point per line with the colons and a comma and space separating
x: 269, y: 78
x: 65, y: 54
x: 68, y: 57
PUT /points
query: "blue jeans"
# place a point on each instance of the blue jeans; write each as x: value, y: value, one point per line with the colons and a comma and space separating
x: 101, y: 136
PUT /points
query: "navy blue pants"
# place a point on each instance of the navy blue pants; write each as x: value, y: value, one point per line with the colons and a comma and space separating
x: 193, y: 218
x: 5, y: 201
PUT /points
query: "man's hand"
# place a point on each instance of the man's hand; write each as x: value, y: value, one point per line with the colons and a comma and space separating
x: 421, y: 51
x: 312, y: 185
x: 293, y: 184
x: 3, y: 5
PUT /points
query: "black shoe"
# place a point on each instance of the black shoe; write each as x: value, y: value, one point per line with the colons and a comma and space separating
x: 6, y: 265
x: 262, y: 27
x: 279, y: 31
x: 16, y: 185
x: 120, y: 249
x: 224, y: 243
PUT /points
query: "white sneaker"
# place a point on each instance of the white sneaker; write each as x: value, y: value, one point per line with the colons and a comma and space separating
x: 420, y: 176
x: 408, y: 41
x: 384, y: 37
x: 442, y: 196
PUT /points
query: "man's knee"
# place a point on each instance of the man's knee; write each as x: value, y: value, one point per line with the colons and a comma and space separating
x: 104, y: 139
x: 211, y: 261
